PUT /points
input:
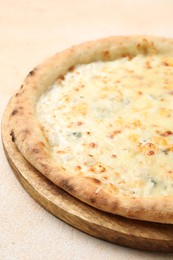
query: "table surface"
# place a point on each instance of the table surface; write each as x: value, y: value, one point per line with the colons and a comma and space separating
x: 30, y: 32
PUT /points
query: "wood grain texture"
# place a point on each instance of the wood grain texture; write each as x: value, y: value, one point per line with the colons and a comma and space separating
x: 116, y: 229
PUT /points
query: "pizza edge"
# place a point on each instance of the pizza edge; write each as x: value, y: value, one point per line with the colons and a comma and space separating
x: 29, y: 138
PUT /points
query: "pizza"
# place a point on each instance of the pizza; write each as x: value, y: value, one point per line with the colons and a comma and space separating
x: 97, y: 120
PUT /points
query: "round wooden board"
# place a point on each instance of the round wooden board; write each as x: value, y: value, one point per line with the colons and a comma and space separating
x: 116, y: 229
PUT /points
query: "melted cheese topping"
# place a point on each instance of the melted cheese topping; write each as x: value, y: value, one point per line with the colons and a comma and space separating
x: 113, y: 121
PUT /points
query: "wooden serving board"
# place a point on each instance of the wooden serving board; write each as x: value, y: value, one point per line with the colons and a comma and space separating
x: 116, y: 229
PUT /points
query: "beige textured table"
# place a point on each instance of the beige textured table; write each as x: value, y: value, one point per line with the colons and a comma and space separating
x: 30, y: 31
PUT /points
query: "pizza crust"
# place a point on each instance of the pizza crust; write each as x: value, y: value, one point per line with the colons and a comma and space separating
x: 34, y: 146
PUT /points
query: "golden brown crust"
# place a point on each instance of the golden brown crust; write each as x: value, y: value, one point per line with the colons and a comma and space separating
x: 28, y: 136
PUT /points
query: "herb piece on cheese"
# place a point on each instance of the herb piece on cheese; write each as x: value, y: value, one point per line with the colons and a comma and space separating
x: 77, y: 134
x: 153, y: 181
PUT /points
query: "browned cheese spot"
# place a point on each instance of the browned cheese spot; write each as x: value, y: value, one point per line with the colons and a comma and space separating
x: 78, y: 167
x: 148, y: 65
x: 114, y: 133
x: 151, y: 152
x: 79, y: 123
x: 92, y: 145
x: 42, y: 144
x: 166, y: 133
x: 164, y: 63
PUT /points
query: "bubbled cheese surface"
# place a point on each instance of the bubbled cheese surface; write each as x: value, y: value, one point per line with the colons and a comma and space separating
x: 114, y: 121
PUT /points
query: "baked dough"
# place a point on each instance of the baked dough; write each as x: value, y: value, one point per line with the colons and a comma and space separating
x: 96, y: 120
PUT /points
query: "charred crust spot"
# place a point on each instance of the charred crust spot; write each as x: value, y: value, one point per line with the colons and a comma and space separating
x: 25, y: 133
x: 14, y: 112
x: 12, y: 136
x: 20, y: 92
x: 45, y: 167
x: 94, y: 180
x: 127, y: 55
x: 71, y: 68
x: 105, y: 54
x: 92, y: 200
x: 35, y: 150
x: 114, y: 205
x: 67, y: 186
x: 31, y: 73
x: 131, y: 214
x: 146, y: 47
x: 61, y: 77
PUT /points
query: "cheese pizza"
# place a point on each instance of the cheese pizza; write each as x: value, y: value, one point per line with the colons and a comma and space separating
x: 97, y: 120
